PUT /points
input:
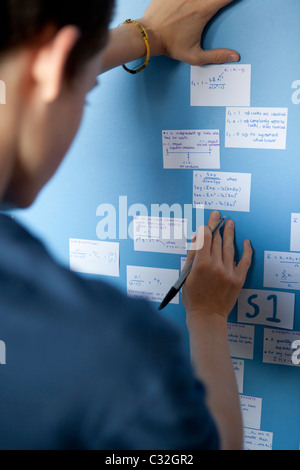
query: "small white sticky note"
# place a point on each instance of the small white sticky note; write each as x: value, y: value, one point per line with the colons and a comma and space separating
x: 282, y: 270
x: 221, y: 85
x: 264, y: 307
x: 295, y: 232
x: 160, y: 234
x: 152, y: 284
x: 191, y: 149
x: 241, y: 340
x: 238, y: 367
x: 255, y: 439
x: 94, y: 257
x: 256, y: 128
x: 281, y: 347
x: 222, y: 191
x: 251, y: 411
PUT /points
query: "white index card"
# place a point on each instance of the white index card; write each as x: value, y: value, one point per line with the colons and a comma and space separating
x: 152, y: 284
x: 281, y: 347
x: 221, y: 85
x: 160, y: 234
x: 282, y: 270
x: 295, y: 232
x: 191, y: 149
x: 94, y: 257
x: 238, y: 366
x: 222, y: 190
x: 251, y: 411
x: 241, y: 340
x: 255, y: 439
x: 256, y: 128
x: 264, y: 307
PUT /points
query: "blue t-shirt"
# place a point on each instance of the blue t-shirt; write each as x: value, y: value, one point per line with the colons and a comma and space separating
x: 87, y: 367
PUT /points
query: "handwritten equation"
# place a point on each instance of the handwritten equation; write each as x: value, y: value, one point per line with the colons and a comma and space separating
x: 221, y: 85
x: 282, y: 270
x: 151, y: 283
x: 222, y: 191
x: 191, y: 149
x: 260, y: 128
x: 160, y: 234
x: 94, y: 257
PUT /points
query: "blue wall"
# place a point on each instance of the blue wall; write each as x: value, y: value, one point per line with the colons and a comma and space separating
x: 118, y: 152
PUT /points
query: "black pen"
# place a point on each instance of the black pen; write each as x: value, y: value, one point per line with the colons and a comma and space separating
x: 179, y: 283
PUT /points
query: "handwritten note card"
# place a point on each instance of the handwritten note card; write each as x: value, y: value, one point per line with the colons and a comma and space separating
x: 266, y: 307
x: 295, y: 232
x: 94, y: 257
x: 241, y: 340
x: 282, y: 270
x: 238, y: 366
x: 191, y: 149
x: 251, y: 411
x: 222, y: 191
x: 279, y: 347
x: 221, y: 85
x: 151, y: 283
x: 256, y: 128
x: 160, y: 234
x: 255, y: 439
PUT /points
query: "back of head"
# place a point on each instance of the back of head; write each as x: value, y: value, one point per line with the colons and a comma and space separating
x: 23, y: 22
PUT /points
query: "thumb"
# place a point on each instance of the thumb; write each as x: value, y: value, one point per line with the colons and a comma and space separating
x: 215, y: 56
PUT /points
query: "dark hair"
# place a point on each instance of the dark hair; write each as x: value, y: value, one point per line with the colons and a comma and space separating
x: 22, y: 22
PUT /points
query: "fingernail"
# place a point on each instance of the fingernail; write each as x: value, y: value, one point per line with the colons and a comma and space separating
x: 216, y: 215
x: 230, y: 223
x: 233, y: 58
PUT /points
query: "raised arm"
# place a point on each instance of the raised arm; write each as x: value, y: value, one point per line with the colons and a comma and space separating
x: 174, y: 28
x: 209, y: 295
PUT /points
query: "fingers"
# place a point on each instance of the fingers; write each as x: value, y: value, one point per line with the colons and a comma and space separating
x: 214, y: 56
x: 228, y: 244
x: 216, y: 249
x: 245, y: 262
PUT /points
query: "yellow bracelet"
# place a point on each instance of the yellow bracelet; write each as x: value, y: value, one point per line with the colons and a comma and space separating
x: 146, y: 39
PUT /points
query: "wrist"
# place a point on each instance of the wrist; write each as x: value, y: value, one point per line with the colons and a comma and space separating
x: 154, y: 40
x: 206, y: 320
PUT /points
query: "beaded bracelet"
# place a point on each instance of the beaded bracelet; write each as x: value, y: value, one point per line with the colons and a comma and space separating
x: 146, y: 39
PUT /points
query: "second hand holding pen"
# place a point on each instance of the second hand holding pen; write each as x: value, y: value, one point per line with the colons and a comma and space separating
x: 181, y: 280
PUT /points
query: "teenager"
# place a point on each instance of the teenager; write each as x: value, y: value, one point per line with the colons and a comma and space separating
x: 88, y: 368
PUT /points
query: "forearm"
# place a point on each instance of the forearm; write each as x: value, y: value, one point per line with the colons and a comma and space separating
x: 213, y: 365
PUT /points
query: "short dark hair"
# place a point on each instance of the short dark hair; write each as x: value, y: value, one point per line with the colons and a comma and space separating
x: 22, y: 22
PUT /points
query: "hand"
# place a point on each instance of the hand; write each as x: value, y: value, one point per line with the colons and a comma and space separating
x: 214, y: 283
x: 176, y: 27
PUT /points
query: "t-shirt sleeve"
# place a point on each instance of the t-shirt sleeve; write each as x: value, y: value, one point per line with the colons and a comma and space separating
x: 158, y: 404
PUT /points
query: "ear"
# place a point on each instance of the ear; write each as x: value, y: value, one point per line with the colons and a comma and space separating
x: 50, y: 61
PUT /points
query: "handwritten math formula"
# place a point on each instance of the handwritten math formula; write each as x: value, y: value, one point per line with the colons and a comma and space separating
x: 191, y: 149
